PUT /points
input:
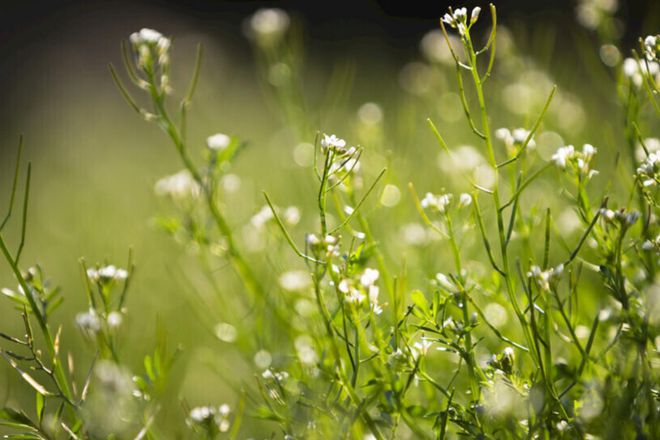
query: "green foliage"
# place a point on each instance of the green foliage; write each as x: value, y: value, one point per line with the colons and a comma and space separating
x: 519, y: 327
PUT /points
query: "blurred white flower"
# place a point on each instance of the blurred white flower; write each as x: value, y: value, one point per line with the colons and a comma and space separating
x: 218, y: 142
x: 438, y: 203
x: 114, y: 319
x: 89, y: 322
x: 295, y: 280
x: 178, y: 186
x: 269, y: 24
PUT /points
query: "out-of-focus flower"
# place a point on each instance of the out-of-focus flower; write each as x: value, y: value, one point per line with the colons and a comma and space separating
x: 438, y: 203
x: 218, y: 142
x: 178, y: 186
x: 268, y: 25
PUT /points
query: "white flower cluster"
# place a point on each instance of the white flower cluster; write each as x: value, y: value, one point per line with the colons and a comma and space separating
x: 591, y: 13
x: 201, y: 415
x: 90, y: 322
x: 652, y: 47
x: 218, y: 142
x: 635, y: 70
x: 354, y: 292
x: 290, y: 216
x: 625, y: 218
x: 544, y: 278
x: 580, y: 161
x: 268, y: 25
x: 106, y: 274
x: 421, y: 347
x: 336, y: 145
x: 153, y: 51
x: 328, y: 245
x: 649, y: 170
x: 514, y: 138
x: 178, y: 186
x: 277, y: 376
x: 441, y: 202
x: 457, y: 19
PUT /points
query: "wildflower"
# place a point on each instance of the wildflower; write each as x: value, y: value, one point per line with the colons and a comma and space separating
x: 515, y: 139
x: 114, y: 319
x: 145, y: 36
x: 652, y: 47
x: 329, y: 245
x: 373, y: 300
x: 369, y: 277
x: 334, y: 144
x: 295, y: 281
x: 475, y: 15
x: 649, y: 170
x: 200, y: 414
x: 422, y: 347
x: 445, y: 282
x: 438, y: 203
x: 291, y: 215
x: 457, y: 19
x: 151, y: 46
x: 591, y: 13
x: 544, y: 278
x: 218, y: 142
x: 623, y: 217
x: 268, y: 25
x: 652, y: 244
x: 262, y: 217
x: 178, y: 186
x: 464, y: 200
x: 562, y: 156
x: 89, y: 322
x: 635, y: 71
x: 579, y: 161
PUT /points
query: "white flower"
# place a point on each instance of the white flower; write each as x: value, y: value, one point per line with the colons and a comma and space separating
x: 422, y: 347
x: 544, y: 278
x: 269, y: 23
x: 114, y: 319
x: 262, y: 217
x: 651, y: 47
x: 465, y: 199
x: 291, y: 215
x: 295, y: 281
x: 333, y: 143
x: 146, y: 36
x: 436, y: 202
x: 201, y: 413
x: 218, y: 141
x: 563, y: 154
x: 373, y: 300
x: 147, y: 43
x: 369, y: 277
x: 178, y: 186
x: 89, y: 322
x: 475, y: 15
x: 445, y: 282
x: 106, y: 273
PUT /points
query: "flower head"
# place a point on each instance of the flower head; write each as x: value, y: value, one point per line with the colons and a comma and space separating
x: 218, y: 142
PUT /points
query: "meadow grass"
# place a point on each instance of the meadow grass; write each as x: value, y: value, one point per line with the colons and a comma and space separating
x: 511, y: 293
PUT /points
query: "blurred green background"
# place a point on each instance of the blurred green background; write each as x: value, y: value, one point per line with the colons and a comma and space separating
x: 95, y: 162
